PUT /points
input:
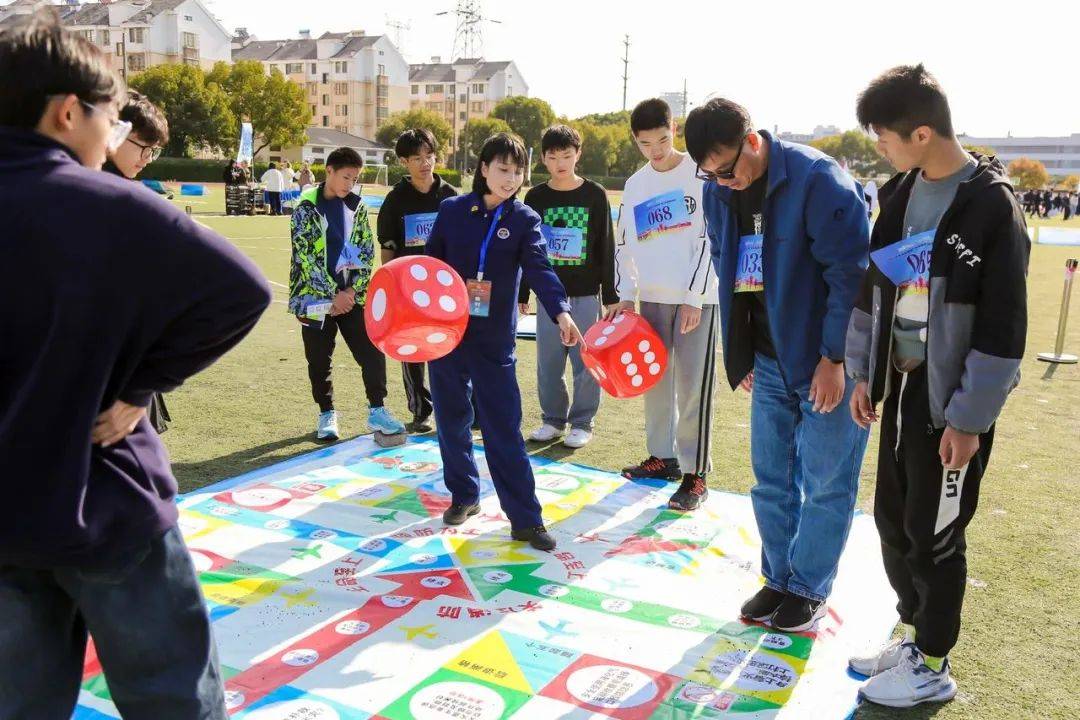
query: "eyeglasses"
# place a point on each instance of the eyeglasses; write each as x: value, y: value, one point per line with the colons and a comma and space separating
x: 150, y: 153
x: 729, y: 174
x: 120, y: 128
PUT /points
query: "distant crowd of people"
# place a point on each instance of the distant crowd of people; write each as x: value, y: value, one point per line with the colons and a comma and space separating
x: 1044, y: 203
x: 276, y: 180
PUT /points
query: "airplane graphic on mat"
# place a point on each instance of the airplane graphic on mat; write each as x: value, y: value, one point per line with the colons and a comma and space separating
x: 385, y: 517
x: 553, y: 631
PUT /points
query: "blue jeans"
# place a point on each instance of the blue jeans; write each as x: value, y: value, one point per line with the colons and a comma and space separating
x: 807, y: 470
x: 150, y: 629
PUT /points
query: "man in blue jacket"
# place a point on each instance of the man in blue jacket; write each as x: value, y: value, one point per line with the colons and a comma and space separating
x: 117, y: 296
x: 789, y: 237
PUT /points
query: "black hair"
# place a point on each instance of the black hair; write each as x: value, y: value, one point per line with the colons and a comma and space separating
x: 412, y: 142
x: 500, y: 146
x: 344, y: 157
x: 147, y: 121
x: 273, y: 166
x: 649, y: 115
x: 40, y: 59
x: 717, y: 123
x: 902, y: 99
x: 560, y: 137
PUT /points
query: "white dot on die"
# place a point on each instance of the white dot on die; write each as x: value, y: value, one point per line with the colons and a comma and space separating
x: 418, y: 271
x: 654, y: 369
x: 650, y: 356
x: 625, y: 358
x: 421, y: 298
x: 600, y: 340
x: 378, y: 304
x: 406, y: 350
x: 637, y: 380
x: 631, y: 369
x: 447, y: 303
x: 618, y: 319
x: 445, y: 278
x: 436, y: 337
x: 609, y: 329
x: 643, y: 346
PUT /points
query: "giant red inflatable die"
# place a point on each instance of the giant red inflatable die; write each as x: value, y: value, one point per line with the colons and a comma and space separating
x: 625, y: 355
x: 416, y: 309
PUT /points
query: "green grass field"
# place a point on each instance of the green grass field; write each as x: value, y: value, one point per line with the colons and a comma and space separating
x: 1022, y: 613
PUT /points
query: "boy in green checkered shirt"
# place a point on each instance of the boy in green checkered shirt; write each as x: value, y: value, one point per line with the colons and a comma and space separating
x: 576, y: 219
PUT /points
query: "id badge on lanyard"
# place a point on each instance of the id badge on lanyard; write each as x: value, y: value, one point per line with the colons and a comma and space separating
x: 479, y: 289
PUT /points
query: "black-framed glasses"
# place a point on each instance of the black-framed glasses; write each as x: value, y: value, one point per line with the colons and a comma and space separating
x: 150, y: 153
x: 729, y: 174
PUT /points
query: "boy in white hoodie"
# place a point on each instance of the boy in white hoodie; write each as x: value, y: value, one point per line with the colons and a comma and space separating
x: 662, y: 261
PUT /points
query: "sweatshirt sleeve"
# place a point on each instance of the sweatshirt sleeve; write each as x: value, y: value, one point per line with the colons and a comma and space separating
x: 840, y: 241
x: 210, y: 299
x: 605, y: 245
x: 998, y: 336
x: 700, y: 266
x: 625, y: 269
x: 389, y: 225
x: 537, y: 270
x: 366, y: 253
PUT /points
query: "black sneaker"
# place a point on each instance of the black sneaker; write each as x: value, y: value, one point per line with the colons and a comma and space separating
x: 690, y: 494
x: 538, y: 537
x: 762, y: 605
x: 419, y: 426
x: 457, y: 514
x: 797, y: 614
x: 654, y: 467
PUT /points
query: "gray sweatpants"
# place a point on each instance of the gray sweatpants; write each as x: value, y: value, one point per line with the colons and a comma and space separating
x: 678, y: 410
x: 555, y: 406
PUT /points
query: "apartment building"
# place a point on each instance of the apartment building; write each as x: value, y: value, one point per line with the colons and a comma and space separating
x: 1060, y: 155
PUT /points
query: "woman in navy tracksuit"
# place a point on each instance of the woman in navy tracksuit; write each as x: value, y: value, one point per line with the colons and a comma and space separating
x: 489, y: 237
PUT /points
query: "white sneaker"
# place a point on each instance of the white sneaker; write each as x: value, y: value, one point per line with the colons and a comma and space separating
x: 910, y: 683
x: 545, y: 433
x: 884, y: 659
x: 327, y: 427
x: 577, y: 438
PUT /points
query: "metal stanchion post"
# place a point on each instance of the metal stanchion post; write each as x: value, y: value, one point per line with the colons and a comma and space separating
x: 1063, y: 319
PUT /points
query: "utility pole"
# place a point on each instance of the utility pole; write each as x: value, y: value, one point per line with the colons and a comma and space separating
x: 625, y: 66
x: 398, y: 27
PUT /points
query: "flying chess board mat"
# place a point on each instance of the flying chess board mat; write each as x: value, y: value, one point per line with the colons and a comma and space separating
x: 336, y: 593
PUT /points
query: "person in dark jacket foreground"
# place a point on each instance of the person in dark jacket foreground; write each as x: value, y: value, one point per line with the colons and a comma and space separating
x: 120, y: 296
x: 937, y: 333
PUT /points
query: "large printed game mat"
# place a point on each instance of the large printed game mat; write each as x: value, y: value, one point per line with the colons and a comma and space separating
x: 336, y: 593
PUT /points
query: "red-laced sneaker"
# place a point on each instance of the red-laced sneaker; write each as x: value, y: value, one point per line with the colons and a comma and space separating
x: 654, y: 467
x: 691, y: 493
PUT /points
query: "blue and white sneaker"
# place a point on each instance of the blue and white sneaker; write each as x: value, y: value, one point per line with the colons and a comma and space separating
x: 884, y: 659
x: 910, y: 683
x: 380, y: 419
x: 326, y: 430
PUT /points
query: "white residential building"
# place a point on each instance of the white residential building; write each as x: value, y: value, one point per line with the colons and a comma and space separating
x: 137, y: 34
x: 323, y: 141
x: 1060, y: 155
x: 464, y: 89
x: 352, y: 81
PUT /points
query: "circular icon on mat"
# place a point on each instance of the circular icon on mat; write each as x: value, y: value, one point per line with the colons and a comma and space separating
x: 234, y: 699
x: 423, y: 559
x: 300, y: 658
x: 498, y: 577
x: 551, y: 481
x: 352, y: 627
x: 611, y: 686
x: 373, y: 545
x: 759, y: 673
x: 617, y: 605
x: 553, y: 591
x: 322, y: 534
x: 190, y: 525
x: 435, y: 582
x: 484, y: 554
x: 396, y: 601
x: 775, y: 641
x: 503, y: 233
x: 278, y: 524
x: 224, y: 510
x: 683, y: 621
x: 446, y: 700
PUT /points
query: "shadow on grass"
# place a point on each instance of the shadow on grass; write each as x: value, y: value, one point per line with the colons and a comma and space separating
x: 868, y: 711
x: 194, y: 475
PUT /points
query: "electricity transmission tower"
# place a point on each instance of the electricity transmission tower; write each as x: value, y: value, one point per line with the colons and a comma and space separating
x: 469, y: 37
